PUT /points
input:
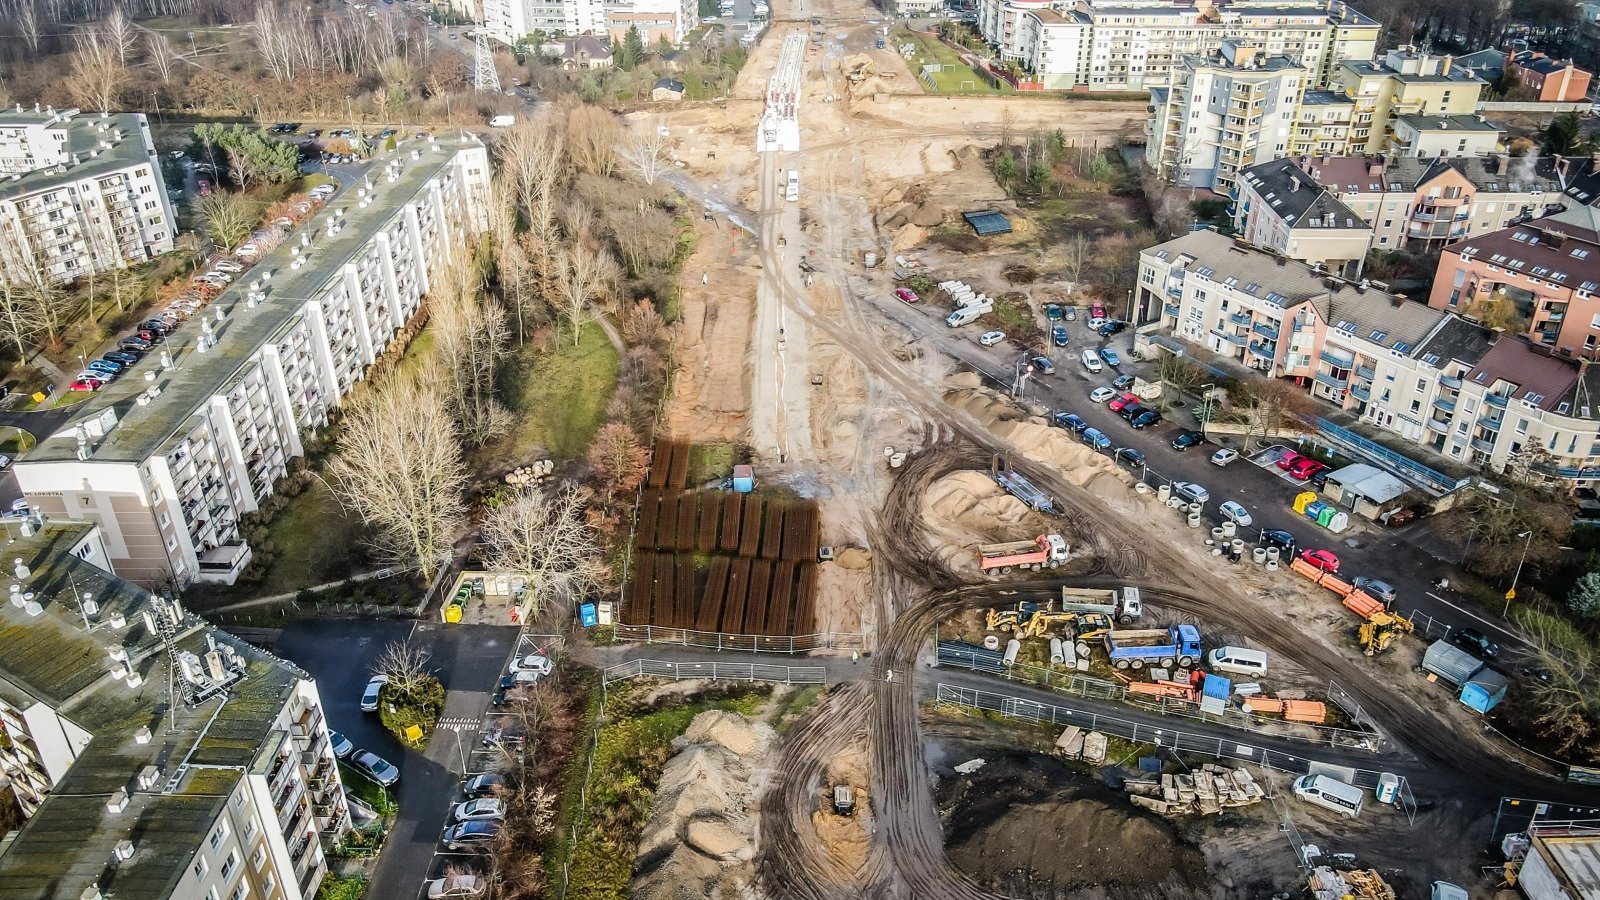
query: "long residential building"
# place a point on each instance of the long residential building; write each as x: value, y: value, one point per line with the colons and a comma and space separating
x: 1332, y: 210
x: 1118, y: 45
x: 81, y: 194
x: 168, y: 458
x: 1429, y: 376
x: 154, y: 756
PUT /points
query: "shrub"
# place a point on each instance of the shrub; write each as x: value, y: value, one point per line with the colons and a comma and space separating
x: 420, y: 707
x: 1585, y: 597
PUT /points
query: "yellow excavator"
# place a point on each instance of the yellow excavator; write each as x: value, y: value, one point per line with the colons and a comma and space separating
x: 1383, y: 629
x: 1030, y: 620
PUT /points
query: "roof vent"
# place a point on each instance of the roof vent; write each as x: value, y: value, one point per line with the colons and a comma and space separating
x: 119, y: 671
x: 142, y: 736
x: 119, y: 621
x: 21, y: 571
x: 118, y: 653
x: 32, y: 607
x: 134, y: 679
x: 148, y: 776
x: 118, y: 801
x: 123, y: 851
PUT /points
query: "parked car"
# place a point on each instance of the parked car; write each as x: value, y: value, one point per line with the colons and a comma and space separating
x: 1069, y: 313
x: 1236, y: 513
x: 471, y: 835
x: 1475, y: 642
x: 1101, y: 394
x: 906, y: 294
x: 1096, y: 439
x: 342, y: 747
x: 1053, y: 312
x: 1289, y: 458
x: 228, y: 266
x: 1111, y: 328
x: 1322, y: 559
x: 1187, y: 439
x: 1131, y: 410
x: 1306, y: 468
x: 122, y: 356
x: 1068, y: 420
x: 486, y: 785
x: 990, y: 338
x: 375, y: 767
x: 369, y: 697
x: 1145, y: 419
x: 1190, y: 491
x: 135, y: 343
x: 1122, y: 401
x: 1224, y: 456
x: 1123, y: 382
x: 1097, y: 315
x: 1058, y: 335
x: 5, y: 461
x: 1372, y: 587
x: 1110, y: 356
x: 104, y: 365
x: 85, y: 384
x: 533, y: 662
x: 1277, y: 537
x: 95, y: 375
x: 466, y: 884
x: 478, y: 810
x: 1044, y: 365
x: 1131, y: 457
x: 520, y: 679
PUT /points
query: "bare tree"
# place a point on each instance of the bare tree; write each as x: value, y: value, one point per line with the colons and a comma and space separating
x: 28, y: 24
x: 405, y: 664
x: 97, y: 76
x: 471, y: 338
x: 20, y: 323
x: 121, y: 35
x: 592, y: 134
x: 645, y: 152
x: 228, y: 217
x: 1273, y: 406
x: 159, y: 49
x: 588, y: 275
x: 1077, y: 253
x: 547, y: 539
x: 399, y: 468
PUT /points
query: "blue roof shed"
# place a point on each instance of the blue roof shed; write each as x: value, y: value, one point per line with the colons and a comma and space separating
x: 987, y: 222
x: 1484, y: 691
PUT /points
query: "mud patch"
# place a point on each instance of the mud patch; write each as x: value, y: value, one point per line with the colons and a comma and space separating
x: 1027, y: 826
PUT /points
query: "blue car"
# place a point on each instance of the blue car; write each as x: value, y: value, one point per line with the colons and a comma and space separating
x: 1059, y: 335
x: 1068, y: 420
x: 103, y: 365
x: 1110, y: 356
x: 1094, y: 438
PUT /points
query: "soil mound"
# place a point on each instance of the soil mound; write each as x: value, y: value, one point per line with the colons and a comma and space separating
x: 1030, y: 434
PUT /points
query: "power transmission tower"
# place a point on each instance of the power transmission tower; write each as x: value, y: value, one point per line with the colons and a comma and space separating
x: 485, y: 77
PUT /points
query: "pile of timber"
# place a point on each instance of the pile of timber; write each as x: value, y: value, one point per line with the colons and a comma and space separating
x: 1207, y: 791
x: 1359, y: 884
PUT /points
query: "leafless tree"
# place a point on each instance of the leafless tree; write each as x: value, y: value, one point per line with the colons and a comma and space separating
x: 399, y: 468
x: 547, y: 539
x: 228, y: 217
x: 20, y: 323
x: 531, y: 155
x: 159, y: 49
x: 28, y: 24
x: 588, y: 275
x: 121, y: 35
x: 471, y: 334
x: 97, y: 76
x: 645, y: 152
x: 1077, y: 253
x: 592, y: 134
x: 405, y: 664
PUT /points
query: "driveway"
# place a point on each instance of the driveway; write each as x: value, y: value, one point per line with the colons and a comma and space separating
x: 340, y: 654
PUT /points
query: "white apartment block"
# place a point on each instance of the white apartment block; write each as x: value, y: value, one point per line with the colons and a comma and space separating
x: 509, y: 21
x: 1223, y: 112
x: 1133, y: 47
x: 229, y: 794
x: 169, y: 457
x: 80, y: 194
x: 1438, y: 381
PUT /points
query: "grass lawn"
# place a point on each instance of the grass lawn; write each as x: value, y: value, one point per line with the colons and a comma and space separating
x: 956, y: 77
x: 558, y: 396
x: 315, y: 540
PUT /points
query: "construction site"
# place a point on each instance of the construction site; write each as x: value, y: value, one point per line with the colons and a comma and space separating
x: 1062, y: 636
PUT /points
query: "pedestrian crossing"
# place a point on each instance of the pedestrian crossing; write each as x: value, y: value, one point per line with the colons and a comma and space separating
x: 460, y: 723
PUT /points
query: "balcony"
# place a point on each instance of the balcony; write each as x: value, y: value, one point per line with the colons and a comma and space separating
x: 1360, y: 393
x: 1482, y: 446
x: 1239, y: 319
x: 1263, y: 349
x: 1450, y: 382
x: 1443, y: 427
x: 1336, y: 382
x: 1366, y: 372
x: 1497, y: 400
x: 1444, y: 404
x: 1338, y: 360
x: 1490, y: 423
x: 1267, y: 331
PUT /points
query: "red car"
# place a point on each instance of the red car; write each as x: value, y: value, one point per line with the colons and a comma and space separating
x: 1322, y: 559
x: 1120, y: 402
x: 1289, y: 459
x: 1304, y: 468
x: 86, y: 384
x: 906, y: 294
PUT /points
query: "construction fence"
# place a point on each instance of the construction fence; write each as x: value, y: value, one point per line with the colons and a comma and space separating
x: 853, y: 641
x: 720, y: 671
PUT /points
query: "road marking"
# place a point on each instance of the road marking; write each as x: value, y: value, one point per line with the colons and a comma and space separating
x: 460, y: 724
x: 1510, y: 634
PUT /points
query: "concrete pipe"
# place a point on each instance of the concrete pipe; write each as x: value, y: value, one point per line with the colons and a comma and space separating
x: 1196, y: 507
x: 1013, y: 647
x: 897, y: 460
x: 1229, y: 529
x: 1272, y: 565
x: 1259, y: 555
x: 1194, y: 520
x: 1164, y: 493
x: 1216, y: 551
x: 991, y: 642
x: 888, y: 452
x: 1216, y: 534
x: 1141, y: 488
x: 1237, y: 546
x: 1057, y: 656
x: 1273, y: 553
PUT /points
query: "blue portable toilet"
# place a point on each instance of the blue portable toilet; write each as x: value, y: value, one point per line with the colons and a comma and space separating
x: 1484, y: 691
x: 589, y: 615
x: 744, y: 479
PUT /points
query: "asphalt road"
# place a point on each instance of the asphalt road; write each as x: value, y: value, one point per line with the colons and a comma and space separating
x: 1265, y: 492
x: 469, y: 659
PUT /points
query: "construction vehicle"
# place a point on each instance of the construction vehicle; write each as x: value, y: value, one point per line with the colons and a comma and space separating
x: 1136, y: 648
x: 1381, y: 630
x: 1030, y: 620
x: 859, y: 72
x: 1044, y: 551
x: 1089, y: 628
x: 1119, y: 603
x: 1020, y: 487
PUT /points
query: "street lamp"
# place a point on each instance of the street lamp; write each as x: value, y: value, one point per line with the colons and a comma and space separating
x: 1205, y: 407
x: 1512, y: 594
x: 459, y: 751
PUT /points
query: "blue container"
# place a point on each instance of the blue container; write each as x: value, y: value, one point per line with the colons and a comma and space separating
x: 1314, y: 510
x: 589, y: 614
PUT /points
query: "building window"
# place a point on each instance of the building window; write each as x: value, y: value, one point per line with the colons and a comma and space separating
x: 1522, y: 426
x: 1416, y: 405
x: 201, y: 867
x: 260, y: 858
x: 229, y: 863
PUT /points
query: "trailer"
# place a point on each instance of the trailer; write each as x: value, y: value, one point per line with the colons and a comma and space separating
x: 1047, y: 551
x: 1022, y: 489
x: 1136, y: 648
x: 1451, y: 663
x: 1122, y: 603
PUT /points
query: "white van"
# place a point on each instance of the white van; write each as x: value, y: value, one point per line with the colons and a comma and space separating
x: 1239, y: 660
x: 1330, y: 793
x: 967, y: 314
x: 502, y: 121
x: 1091, y: 361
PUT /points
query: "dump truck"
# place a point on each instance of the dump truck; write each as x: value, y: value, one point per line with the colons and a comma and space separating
x: 1044, y: 551
x: 1121, y: 603
x: 1021, y: 488
x: 1137, y: 648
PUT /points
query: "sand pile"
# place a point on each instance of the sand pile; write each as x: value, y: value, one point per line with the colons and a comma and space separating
x: 914, y: 206
x: 971, y: 499
x: 699, y: 840
x: 1073, y: 460
x: 847, y: 838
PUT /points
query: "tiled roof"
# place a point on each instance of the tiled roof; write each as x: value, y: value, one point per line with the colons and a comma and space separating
x: 1296, y: 197
x: 1539, y: 378
x: 1538, y: 62
x: 1458, y: 340
x: 1526, y: 250
x: 1351, y: 174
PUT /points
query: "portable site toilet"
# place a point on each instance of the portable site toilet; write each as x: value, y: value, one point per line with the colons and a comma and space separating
x: 1444, y: 890
x: 744, y: 479
x: 1484, y: 690
x: 1388, y: 789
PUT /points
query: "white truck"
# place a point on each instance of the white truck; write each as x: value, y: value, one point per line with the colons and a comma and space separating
x: 1122, y: 603
x: 966, y: 315
x: 791, y: 189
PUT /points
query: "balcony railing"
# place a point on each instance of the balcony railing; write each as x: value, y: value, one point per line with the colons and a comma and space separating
x: 1497, y: 400
x: 1239, y: 318
x: 1267, y: 331
x: 1490, y: 423
x: 1360, y: 393
x: 1366, y: 372
x: 1263, y: 349
x: 1332, y: 380
x: 1338, y: 360
x: 1482, y: 446
x: 1443, y: 427
x: 1450, y: 382
x: 1444, y: 404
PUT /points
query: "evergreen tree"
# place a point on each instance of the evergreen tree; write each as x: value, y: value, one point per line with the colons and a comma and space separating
x: 632, y: 49
x: 1585, y: 597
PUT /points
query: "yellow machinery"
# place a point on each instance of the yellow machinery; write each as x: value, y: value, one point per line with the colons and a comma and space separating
x: 1383, y: 629
x: 1004, y: 619
x: 1030, y: 620
x: 1040, y: 623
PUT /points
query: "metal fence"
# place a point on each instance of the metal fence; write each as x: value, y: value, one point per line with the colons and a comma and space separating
x: 750, y: 643
x: 1429, y: 627
x: 1425, y: 477
x: 1100, y: 689
x: 722, y: 671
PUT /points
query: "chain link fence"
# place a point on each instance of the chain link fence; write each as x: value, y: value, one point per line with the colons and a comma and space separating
x: 749, y: 643
x: 723, y: 671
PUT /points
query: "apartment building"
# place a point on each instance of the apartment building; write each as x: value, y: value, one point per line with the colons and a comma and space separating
x: 223, y: 789
x: 1322, y: 123
x: 168, y: 458
x: 1550, y: 80
x: 1548, y: 268
x: 1223, y: 112
x: 1427, y: 375
x: 1406, y: 82
x: 1433, y: 136
x: 1131, y: 46
x: 1401, y: 202
x: 80, y: 194
x: 655, y: 19
x: 509, y: 21
x: 1283, y: 209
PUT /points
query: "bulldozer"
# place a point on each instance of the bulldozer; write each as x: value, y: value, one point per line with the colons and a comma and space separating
x: 1383, y: 629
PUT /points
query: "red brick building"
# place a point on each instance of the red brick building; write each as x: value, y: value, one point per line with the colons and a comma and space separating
x: 1551, y: 80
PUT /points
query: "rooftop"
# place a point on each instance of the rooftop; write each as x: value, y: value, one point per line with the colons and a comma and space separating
x: 241, y: 331
x: 1536, y: 376
x: 1396, y: 174
x: 1447, y: 123
x: 1296, y: 197
x: 1570, y: 261
x: 1459, y: 341
x: 1456, y: 75
x: 200, y: 751
x: 1259, y: 63
x: 1576, y: 859
x: 1534, y: 61
x: 93, y: 149
x: 1326, y: 98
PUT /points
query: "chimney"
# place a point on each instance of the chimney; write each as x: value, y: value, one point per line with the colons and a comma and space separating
x: 118, y: 801
x: 1283, y: 261
x: 1444, y: 67
x: 1398, y: 300
x: 148, y: 777
x: 1294, y: 184
x: 123, y: 851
